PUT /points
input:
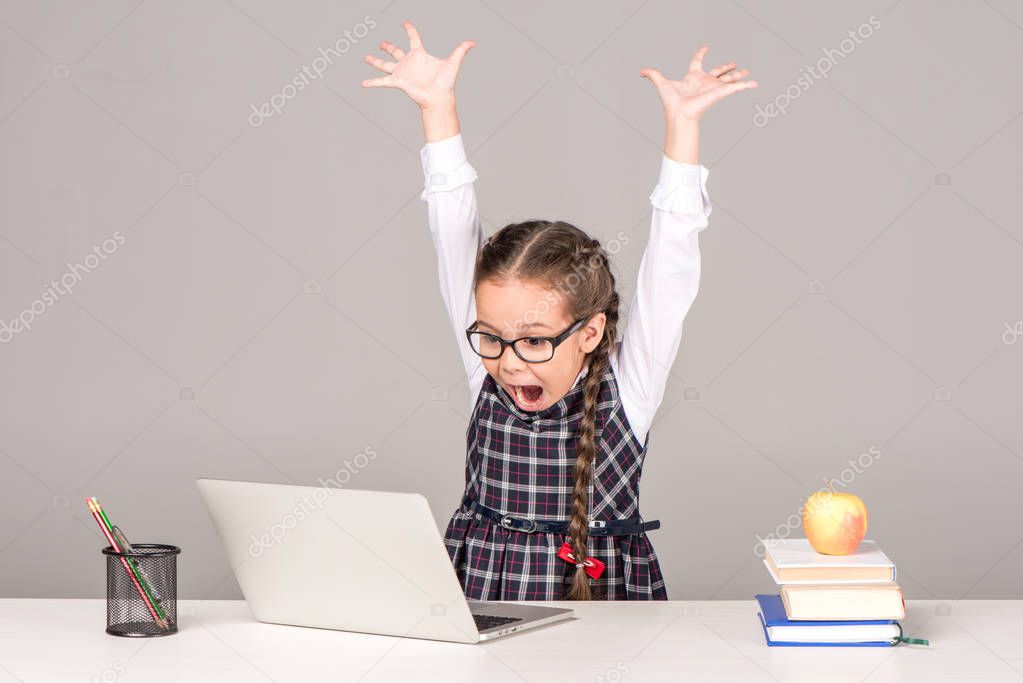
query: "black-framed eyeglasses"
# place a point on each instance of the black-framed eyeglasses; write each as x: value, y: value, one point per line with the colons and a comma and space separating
x: 532, y: 349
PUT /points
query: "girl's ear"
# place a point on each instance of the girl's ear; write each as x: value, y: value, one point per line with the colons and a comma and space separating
x: 592, y: 332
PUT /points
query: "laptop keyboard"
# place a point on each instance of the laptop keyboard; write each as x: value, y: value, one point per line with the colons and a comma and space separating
x: 488, y: 621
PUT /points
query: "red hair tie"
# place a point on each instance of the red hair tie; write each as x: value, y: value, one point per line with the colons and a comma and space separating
x: 593, y: 566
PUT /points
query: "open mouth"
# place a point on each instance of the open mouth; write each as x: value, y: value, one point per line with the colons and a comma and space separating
x: 528, y: 396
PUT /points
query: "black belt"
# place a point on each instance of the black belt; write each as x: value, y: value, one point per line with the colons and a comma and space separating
x: 611, y: 527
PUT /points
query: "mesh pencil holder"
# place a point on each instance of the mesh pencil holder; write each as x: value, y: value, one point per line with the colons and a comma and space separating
x: 142, y: 590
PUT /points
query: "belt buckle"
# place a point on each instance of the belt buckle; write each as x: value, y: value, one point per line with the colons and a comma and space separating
x: 597, y: 524
x: 508, y: 522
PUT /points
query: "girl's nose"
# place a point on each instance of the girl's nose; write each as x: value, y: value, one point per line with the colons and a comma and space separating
x: 509, y: 359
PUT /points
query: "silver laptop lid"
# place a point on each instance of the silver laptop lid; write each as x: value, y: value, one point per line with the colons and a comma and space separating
x: 366, y: 561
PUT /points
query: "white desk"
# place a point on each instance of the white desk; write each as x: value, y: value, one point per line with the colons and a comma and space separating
x: 64, y: 640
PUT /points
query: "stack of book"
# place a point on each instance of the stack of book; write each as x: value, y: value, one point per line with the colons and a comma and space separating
x: 830, y: 599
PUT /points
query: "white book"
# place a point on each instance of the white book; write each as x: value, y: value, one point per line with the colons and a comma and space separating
x: 851, y: 601
x: 855, y: 633
x: 794, y: 561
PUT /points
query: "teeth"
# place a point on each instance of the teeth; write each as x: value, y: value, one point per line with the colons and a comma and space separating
x: 522, y: 397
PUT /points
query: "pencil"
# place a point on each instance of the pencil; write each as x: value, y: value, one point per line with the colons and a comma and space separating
x: 124, y: 562
x: 125, y: 547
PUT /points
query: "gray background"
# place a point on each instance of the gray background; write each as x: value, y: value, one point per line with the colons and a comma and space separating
x: 274, y: 309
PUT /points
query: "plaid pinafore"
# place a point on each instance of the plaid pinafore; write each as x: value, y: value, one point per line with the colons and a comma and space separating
x: 520, y: 464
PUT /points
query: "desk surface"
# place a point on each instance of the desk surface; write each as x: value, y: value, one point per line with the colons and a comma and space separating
x: 607, y: 642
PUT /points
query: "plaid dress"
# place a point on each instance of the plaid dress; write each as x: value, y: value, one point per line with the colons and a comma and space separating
x: 521, y: 463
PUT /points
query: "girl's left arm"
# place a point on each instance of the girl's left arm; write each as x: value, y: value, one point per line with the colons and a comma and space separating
x: 669, y: 273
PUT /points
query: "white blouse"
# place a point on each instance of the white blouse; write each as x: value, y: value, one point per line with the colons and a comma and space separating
x: 669, y: 273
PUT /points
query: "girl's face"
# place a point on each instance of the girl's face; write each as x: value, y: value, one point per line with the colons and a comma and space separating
x: 516, y: 308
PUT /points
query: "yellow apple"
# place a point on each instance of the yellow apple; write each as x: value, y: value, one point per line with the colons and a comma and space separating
x: 834, y: 523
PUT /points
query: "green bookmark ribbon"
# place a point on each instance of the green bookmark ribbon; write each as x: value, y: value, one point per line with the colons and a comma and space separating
x: 905, y: 639
x: 913, y: 641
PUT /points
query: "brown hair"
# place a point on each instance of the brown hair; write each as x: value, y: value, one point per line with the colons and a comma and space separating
x: 563, y: 257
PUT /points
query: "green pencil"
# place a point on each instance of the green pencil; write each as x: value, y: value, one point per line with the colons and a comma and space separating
x: 134, y: 566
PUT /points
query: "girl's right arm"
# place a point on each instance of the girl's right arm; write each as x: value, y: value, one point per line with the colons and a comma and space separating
x: 457, y: 236
x: 448, y: 187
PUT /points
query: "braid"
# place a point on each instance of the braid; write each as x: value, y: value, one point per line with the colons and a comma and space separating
x: 578, y: 527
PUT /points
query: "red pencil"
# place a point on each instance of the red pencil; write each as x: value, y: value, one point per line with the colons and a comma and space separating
x: 124, y: 563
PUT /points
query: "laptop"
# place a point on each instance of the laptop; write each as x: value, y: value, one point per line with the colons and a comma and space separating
x: 351, y: 560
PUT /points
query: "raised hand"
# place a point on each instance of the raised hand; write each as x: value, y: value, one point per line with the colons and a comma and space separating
x: 429, y: 81
x: 690, y: 97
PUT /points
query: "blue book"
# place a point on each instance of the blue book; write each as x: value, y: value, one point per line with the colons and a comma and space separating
x: 780, y: 631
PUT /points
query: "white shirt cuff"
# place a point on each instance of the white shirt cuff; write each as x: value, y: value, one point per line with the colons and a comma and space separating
x: 682, y: 188
x: 445, y: 165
